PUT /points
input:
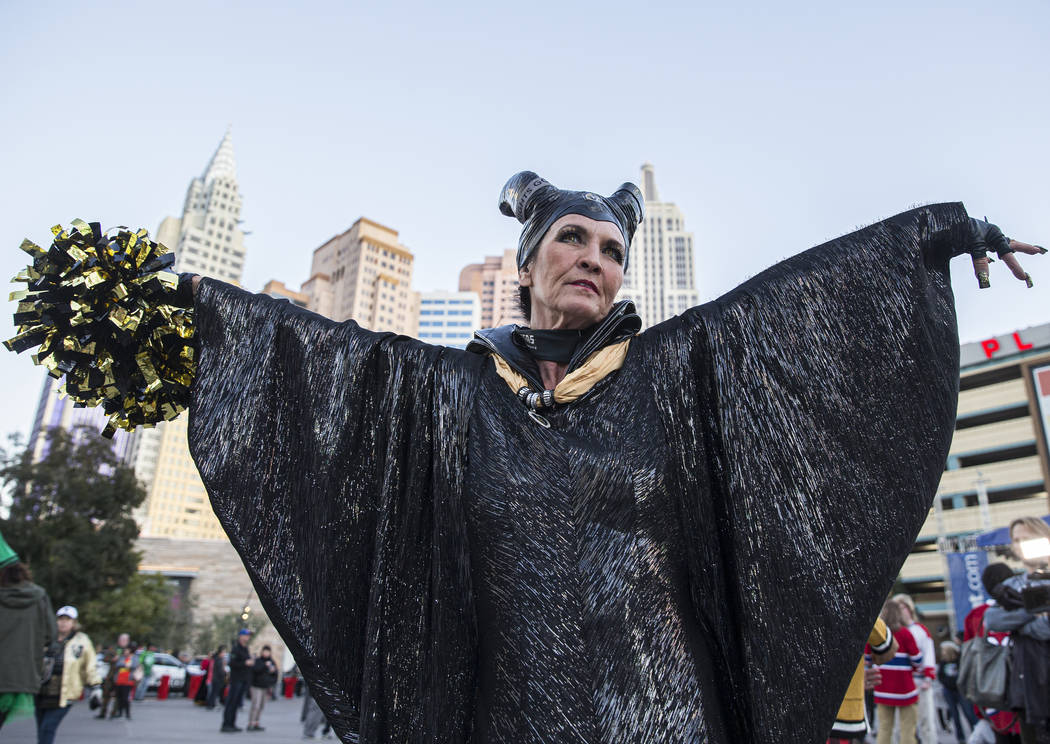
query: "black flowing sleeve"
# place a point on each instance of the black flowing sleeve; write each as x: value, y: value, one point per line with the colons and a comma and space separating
x: 319, y: 445
x: 811, y: 432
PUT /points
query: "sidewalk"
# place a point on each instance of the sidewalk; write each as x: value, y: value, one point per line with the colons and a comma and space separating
x: 172, y: 721
x: 178, y: 721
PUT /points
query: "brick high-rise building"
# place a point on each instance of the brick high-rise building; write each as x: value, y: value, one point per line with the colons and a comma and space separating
x: 365, y: 274
x: 496, y: 282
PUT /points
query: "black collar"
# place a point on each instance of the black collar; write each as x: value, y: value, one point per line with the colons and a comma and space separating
x: 550, y: 345
x: 621, y: 322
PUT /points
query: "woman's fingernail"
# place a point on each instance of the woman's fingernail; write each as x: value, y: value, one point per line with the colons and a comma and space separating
x: 1028, y: 280
x: 1041, y: 249
x: 982, y: 280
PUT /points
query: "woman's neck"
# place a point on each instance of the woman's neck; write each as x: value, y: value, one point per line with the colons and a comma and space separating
x: 551, y: 373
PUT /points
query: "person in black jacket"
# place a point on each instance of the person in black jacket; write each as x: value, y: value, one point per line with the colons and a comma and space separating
x: 241, y: 664
x: 1028, y: 690
x: 27, y: 627
x: 264, y: 677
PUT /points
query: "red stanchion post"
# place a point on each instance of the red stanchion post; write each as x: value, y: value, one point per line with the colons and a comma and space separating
x: 162, y: 689
x: 195, y: 683
x: 289, y: 687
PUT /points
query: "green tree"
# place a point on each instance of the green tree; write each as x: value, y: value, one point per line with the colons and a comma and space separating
x: 70, y: 517
x: 222, y: 629
x: 141, y: 608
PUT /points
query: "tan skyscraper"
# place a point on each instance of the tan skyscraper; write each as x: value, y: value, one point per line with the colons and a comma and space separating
x: 496, y: 283
x: 277, y: 289
x: 207, y: 240
x: 365, y: 274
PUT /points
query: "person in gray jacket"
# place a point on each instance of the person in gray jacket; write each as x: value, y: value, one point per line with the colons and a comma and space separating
x: 1029, y: 684
x: 27, y: 629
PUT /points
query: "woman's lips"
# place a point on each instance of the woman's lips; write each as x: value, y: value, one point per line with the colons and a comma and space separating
x: 584, y: 283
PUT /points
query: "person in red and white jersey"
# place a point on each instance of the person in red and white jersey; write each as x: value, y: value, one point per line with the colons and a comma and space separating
x: 896, y: 696
x: 927, y: 673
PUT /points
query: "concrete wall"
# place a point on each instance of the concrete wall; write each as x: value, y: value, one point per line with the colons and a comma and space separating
x: 219, y: 582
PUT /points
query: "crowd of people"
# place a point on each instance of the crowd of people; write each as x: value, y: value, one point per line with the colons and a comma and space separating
x: 49, y: 663
x: 900, y: 686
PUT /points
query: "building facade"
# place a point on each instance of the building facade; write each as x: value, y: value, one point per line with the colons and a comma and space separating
x: 54, y: 410
x: 661, y: 276
x: 207, y: 240
x: 449, y: 318
x: 274, y: 288
x: 209, y: 573
x: 998, y: 454
x: 365, y: 274
x: 495, y: 281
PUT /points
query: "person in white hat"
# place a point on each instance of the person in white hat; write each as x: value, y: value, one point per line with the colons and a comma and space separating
x: 74, y: 668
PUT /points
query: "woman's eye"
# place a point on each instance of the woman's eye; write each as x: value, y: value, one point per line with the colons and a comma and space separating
x: 615, y: 253
x: 570, y: 236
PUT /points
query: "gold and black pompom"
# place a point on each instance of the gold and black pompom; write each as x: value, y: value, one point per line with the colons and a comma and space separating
x: 104, y: 310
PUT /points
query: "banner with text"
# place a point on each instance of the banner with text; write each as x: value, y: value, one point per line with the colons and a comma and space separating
x: 964, y: 577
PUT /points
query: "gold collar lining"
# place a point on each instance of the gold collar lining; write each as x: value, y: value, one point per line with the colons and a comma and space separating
x: 577, y: 383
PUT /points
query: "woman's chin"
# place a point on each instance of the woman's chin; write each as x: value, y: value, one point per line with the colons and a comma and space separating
x: 582, y: 314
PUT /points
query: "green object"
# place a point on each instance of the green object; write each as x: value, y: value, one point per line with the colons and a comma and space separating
x: 7, y: 554
x: 16, y: 704
x: 147, y: 662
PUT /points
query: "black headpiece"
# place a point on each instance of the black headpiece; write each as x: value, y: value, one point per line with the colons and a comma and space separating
x: 538, y: 205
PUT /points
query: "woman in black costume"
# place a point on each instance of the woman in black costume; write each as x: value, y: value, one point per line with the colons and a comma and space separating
x: 577, y: 532
x: 582, y: 533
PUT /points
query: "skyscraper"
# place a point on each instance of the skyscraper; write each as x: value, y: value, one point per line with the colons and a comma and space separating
x: 661, y: 275
x: 208, y: 241
x: 496, y: 282
x: 56, y: 411
x: 449, y: 318
x: 365, y: 274
x: 277, y: 289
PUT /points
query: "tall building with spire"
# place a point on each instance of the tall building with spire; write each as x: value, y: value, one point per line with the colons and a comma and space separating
x: 207, y: 240
x: 661, y: 277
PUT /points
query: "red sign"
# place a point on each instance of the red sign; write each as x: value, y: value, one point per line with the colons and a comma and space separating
x: 991, y: 345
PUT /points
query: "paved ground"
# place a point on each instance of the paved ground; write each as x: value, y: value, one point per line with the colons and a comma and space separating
x: 178, y: 721
x: 172, y: 721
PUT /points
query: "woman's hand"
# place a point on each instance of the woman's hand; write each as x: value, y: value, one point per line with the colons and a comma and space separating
x: 986, y: 236
x: 197, y: 282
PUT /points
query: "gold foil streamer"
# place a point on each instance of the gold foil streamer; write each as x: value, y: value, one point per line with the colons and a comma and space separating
x: 102, y: 309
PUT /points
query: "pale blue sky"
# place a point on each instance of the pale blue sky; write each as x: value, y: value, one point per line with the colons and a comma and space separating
x: 774, y: 126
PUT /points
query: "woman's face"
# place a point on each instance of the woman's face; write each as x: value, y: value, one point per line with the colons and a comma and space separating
x: 575, y: 274
x: 65, y: 624
x: 1019, y: 534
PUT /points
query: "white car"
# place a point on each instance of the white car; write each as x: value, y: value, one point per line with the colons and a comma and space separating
x: 169, y: 665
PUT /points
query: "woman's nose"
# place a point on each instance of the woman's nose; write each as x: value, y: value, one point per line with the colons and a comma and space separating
x: 590, y: 259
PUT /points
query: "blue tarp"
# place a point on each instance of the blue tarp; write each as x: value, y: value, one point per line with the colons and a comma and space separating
x: 1000, y: 536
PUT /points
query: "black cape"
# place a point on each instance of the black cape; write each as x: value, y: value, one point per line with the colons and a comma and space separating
x: 695, y: 551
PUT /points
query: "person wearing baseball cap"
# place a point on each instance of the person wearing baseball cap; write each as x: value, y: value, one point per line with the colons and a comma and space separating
x: 241, y: 664
x: 27, y: 627
x: 73, y: 669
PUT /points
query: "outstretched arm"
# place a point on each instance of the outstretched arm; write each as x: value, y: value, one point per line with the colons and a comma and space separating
x: 985, y: 236
x: 813, y: 418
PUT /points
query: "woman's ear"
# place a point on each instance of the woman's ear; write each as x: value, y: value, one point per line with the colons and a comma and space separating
x: 525, y: 275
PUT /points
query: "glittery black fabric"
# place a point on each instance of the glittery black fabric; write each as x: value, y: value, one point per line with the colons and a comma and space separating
x: 707, y: 534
